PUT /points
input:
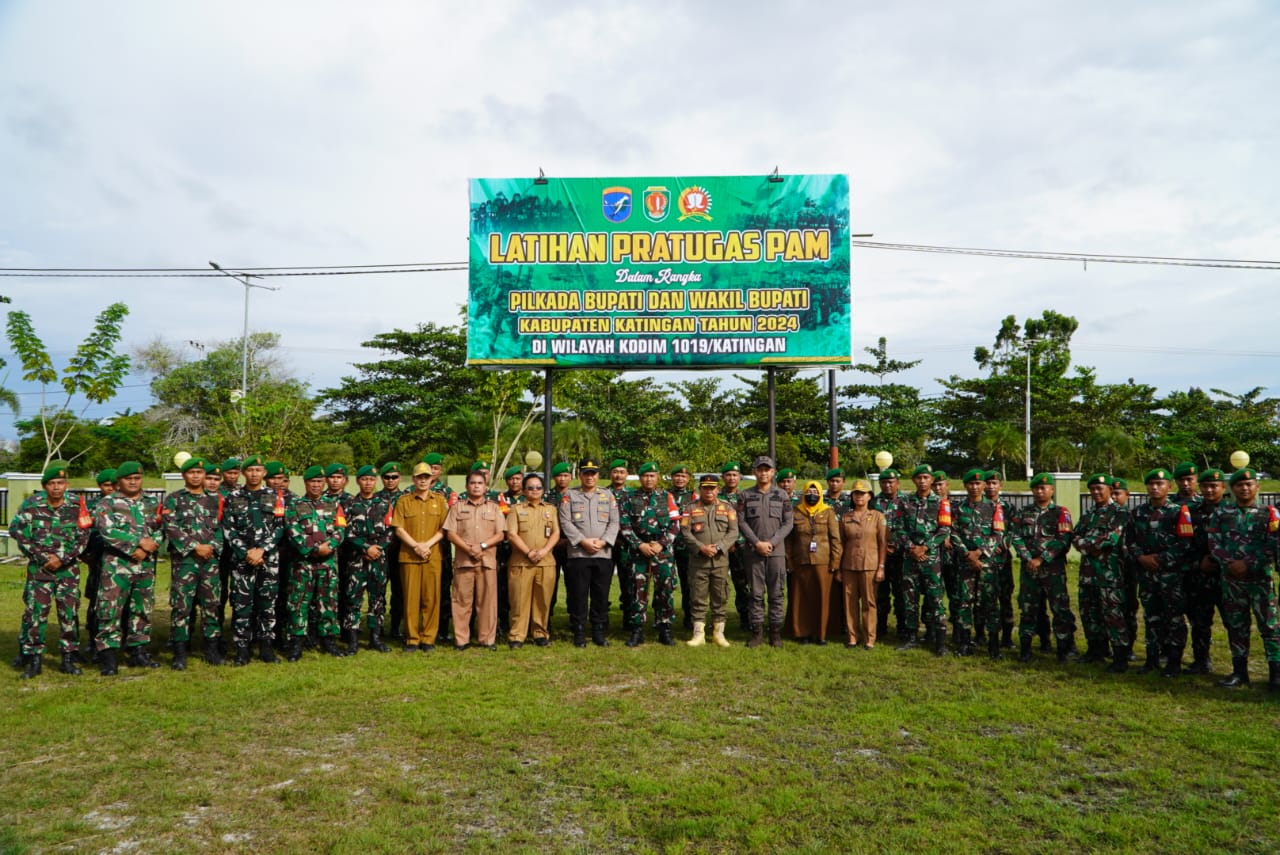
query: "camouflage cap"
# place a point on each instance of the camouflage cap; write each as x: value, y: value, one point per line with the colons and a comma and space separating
x: 129, y: 467
x: 975, y: 474
x: 1245, y: 474
x: 192, y: 463
x: 561, y: 468
x: 1156, y: 475
x: 106, y: 476
x: 645, y: 468
x: 335, y: 469
x: 365, y: 471
x: 1043, y: 478
x: 56, y: 469
x: 433, y: 458
x: 1184, y: 469
x: 310, y: 473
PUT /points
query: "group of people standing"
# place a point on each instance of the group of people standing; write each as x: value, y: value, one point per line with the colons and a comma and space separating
x: 299, y: 571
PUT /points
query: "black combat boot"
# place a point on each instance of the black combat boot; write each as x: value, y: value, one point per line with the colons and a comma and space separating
x: 266, y: 653
x: 179, y: 662
x: 940, y: 641
x: 775, y: 635
x: 242, y: 655
x: 637, y: 637
x: 1153, y: 661
x: 353, y: 642
x: 963, y: 646
x: 597, y: 635
x: 19, y: 662
x: 375, y: 642
x: 1006, y: 640
x: 1273, y: 679
x: 993, y: 647
x: 212, y: 651
x: 757, y: 637
x: 1025, y: 654
x: 664, y: 635
x: 70, y: 665
x: 1201, y: 665
x: 1046, y: 644
x: 1067, y: 649
x: 33, y: 667
x: 329, y: 645
x: 107, y: 661
x: 980, y: 634
x: 580, y: 637
x: 1120, y: 662
x: 1239, y: 673
x: 140, y: 658
x: 1095, y: 652
x: 911, y: 642
x: 1173, y: 663
x: 294, y: 651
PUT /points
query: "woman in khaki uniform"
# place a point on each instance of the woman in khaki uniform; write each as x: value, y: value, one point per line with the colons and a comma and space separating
x: 813, y: 552
x: 865, y: 535
x: 533, y: 528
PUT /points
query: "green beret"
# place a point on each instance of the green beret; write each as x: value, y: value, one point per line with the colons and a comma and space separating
x: 1156, y: 475
x: 992, y: 475
x: 834, y: 472
x: 212, y: 468
x: 230, y: 463
x: 479, y: 466
x: 365, y: 470
x: 389, y: 468
x: 129, y: 467
x: 939, y: 475
x: 107, y: 476
x: 433, y: 459
x: 316, y: 471
x: 650, y: 466
x: 512, y: 470
x: 1099, y: 478
x: 1043, y: 478
x: 731, y: 466
x: 252, y: 460
x: 275, y: 467
x: 192, y: 463
x: 890, y: 473
x: 922, y: 469
x: 975, y: 474
x: 1184, y: 469
x: 1245, y: 474
x: 1211, y: 475
x: 1119, y: 484
x: 57, y: 469
x: 786, y: 473
x: 680, y: 469
x: 335, y: 469
x: 559, y: 468
x: 618, y: 464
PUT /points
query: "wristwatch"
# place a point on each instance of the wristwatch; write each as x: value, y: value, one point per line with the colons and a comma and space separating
x: 483, y: 547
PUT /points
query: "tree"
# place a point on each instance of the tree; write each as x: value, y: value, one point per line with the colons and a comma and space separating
x: 800, y: 409
x: 884, y: 416
x: 1110, y: 448
x: 631, y: 417
x: 1003, y: 441
x: 94, y: 372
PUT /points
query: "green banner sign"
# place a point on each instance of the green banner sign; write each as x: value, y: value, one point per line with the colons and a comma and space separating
x: 659, y: 272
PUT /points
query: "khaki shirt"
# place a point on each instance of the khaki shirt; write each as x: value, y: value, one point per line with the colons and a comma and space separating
x: 815, y: 539
x: 421, y: 518
x: 862, y: 540
x: 477, y: 523
x: 709, y: 525
x: 537, y: 525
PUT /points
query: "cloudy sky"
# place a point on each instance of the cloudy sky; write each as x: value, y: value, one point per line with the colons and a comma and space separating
x: 167, y: 134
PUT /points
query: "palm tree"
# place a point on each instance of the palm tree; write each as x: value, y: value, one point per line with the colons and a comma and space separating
x: 1060, y: 453
x: 1113, y: 445
x: 575, y: 438
x: 1004, y: 441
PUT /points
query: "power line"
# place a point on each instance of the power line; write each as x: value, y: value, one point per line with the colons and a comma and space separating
x: 140, y: 274
x: 1083, y: 257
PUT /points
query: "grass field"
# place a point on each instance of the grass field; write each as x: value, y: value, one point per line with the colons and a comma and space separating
x: 810, y: 749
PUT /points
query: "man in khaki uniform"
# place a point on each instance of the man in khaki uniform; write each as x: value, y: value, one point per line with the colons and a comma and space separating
x: 417, y: 518
x: 709, y: 528
x: 533, y: 529
x: 475, y: 527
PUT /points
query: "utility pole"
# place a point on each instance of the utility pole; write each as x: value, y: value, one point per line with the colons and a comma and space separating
x: 1027, y: 345
x: 244, y: 279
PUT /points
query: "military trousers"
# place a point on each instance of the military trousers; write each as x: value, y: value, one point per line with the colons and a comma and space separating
x: 529, y: 591
x: 366, y: 577
x: 586, y: 585
x: 1163, y: 609
x: 92, y: 578
x: 254, y: 591
x: 475, y: 589
x: 1102, y: 615
x: 1050, y: 583
x: 661, y: 573
x: 1005, y: 616
x: 709, y: 590
x: 889, y: 594
x: 45, y: 591
x: 922, y: 579
x: 123, y: 586
x: 193, y: 581
x: 313, y: 592
x: 1202, y: 592
x: 811, y: 601
x: 1250, y: 599
x: 740, y: 577
x: 682, y: 582
x: 768, y: 574
x: 978, y: 595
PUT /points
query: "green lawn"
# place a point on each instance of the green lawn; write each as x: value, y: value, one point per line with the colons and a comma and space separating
x: 653, y: 749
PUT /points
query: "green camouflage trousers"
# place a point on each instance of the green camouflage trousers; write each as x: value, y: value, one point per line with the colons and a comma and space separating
x: 123, y: 587
x: 1051, y: 583
x: 1163, y: 609
x: 922, y: 580
x: 313, y: 587
x: 977, y: 596
x: 253, y: 599
x: 45, y: 590
x: 365, y: 574
x: 662, y: 572
x: 194, y: 580
x: 1102, y: 614
x: 1244, y: 599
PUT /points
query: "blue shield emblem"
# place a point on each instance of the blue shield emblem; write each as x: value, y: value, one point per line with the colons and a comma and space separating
x: 616, y: 203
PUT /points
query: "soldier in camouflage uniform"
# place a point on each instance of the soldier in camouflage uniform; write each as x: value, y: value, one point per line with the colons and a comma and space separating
x: 193, y: 526
x: 1161, y: 555
x: 278, y: 481
x: 994, y: 484
x: 369, y: 538
x: 1243, y: 543
x: 889, y: 592
x: 1120, y: 495
x: 316, y: 523
x: 835, y: 496
x: 682, y: 495
x: 650, y: 523
x: 977, y: 539
x: 921, y: 530
x: 1041, y: 537
x: 730, y: 478
x: 391, y: 491
x: 1203, y: 583
x: 946, y: 558
x: 1100, y: 538
x: 92, y: 558
x: 336, y: 480
x: 227, y: 559
x: 561, y: 475
x: 51, y: 532
x: 129, y: 523
x: 254, y: 529
x: 618, y: 488
x: 787, y: 484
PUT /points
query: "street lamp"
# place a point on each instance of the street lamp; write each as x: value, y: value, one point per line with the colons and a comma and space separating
x: 1026, y: 343
x: 243, y: 279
